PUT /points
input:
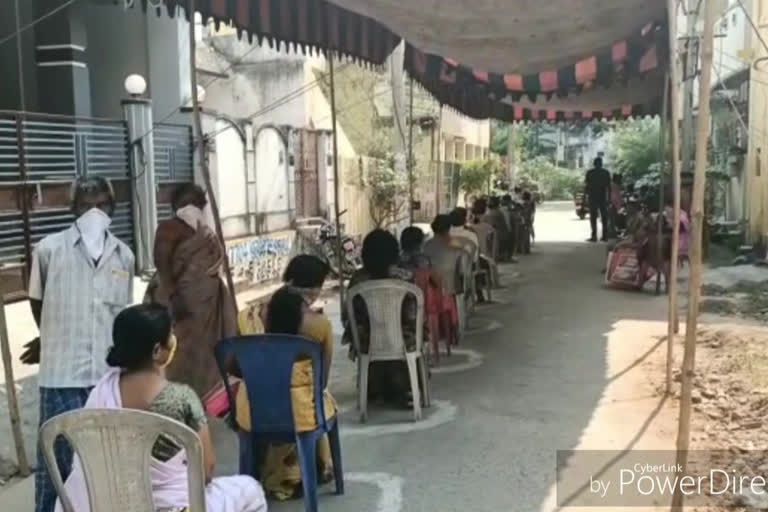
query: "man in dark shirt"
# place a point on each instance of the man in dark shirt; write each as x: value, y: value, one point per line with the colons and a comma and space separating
x: 598, y: 190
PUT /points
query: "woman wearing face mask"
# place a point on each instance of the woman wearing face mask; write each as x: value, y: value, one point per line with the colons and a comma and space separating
x: 289, y: 312
x: 188, y: 258
x: 143, y: 348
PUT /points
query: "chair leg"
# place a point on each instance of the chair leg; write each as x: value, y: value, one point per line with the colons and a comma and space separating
x: 363, y: 374
x: 434, y: 333
x: 338, y: 471
x: 461, y: 307
x: 306, y: 446
x: 489, y: 285
x: 425, y: 381
x: 413, y: 372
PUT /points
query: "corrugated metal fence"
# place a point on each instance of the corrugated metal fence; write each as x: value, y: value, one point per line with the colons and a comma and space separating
x: 40, y: 156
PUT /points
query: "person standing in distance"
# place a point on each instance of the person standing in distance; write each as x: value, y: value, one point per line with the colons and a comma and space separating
x: 598, y: 192
x: 80, y: 279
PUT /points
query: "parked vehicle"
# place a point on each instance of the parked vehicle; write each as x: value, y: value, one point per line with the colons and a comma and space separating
x: 580, y: 203
x: 321, y: 236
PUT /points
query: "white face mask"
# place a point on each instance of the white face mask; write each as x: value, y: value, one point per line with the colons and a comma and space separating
x: 191, y: 215
x: 93, y: 226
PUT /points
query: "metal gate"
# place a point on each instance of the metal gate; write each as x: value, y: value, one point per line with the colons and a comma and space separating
x: 40, y: 155
x: 174, y: 163
x: 307, y: 180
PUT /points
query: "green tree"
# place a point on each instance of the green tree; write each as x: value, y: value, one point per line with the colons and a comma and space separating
x: 477, y: 176
x: 389, y: 194
x: 554, y: 182
x: 636, y: 148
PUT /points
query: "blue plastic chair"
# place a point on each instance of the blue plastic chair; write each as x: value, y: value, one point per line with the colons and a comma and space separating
x: 266, y: 362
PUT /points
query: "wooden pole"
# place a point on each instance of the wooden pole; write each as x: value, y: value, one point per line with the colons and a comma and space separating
x: 10, y: 381
x: 439, y: 164
x: 10, y: 388
x: 410, y: 152
x: 697, y: 208
x: 662, y: 167
x: 339, y: 249
x: 200, y: 139
x: 674, y: 103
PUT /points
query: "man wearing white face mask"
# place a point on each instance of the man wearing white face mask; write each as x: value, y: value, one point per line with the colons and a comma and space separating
x: 189, y: 257
x: 80, y: 279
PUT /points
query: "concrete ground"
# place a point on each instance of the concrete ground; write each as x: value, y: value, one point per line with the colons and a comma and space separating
x: 553, y: 365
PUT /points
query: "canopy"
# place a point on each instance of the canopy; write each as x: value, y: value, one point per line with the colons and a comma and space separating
x: 509, y: 59
x: 513, y: 36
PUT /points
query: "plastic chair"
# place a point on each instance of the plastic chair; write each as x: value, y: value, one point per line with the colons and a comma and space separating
x: 266, y: 362
x: 115, y: 449
x: 384, y: 300
x: 470, y: 284
x: 464, y: 293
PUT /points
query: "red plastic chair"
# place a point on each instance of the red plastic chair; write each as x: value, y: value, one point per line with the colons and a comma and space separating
x: 434, y: 310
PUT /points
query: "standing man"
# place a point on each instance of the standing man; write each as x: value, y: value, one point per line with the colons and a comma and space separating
x: 80, y: 279
x: 598, y: 191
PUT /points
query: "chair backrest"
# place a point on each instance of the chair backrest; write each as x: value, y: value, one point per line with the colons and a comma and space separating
x: 467, y: 245
x: 115, y: 451
x: 266, y: 364
x: 446, y: 262
x: 464, y: 273
x: 384, y: 300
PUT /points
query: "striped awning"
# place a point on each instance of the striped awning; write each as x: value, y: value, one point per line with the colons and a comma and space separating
x: 305, y: 25
x: 510, y: 59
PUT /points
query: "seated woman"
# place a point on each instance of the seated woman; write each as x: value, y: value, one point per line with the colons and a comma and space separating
x: 387, y: 380
x: 143, y: 348
x: 448, y: 262
x: 288, y: 312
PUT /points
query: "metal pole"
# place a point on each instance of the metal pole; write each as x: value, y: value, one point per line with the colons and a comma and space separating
x: 697, y: 208
x: 10, y: 388
x: 339, y: 252
x: 200, y: 137
x: 20, y: 58
x: 674, y: 98
x: 410, y: 152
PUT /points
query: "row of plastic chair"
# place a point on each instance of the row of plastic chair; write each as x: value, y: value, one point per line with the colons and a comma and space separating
x: 114, y: 446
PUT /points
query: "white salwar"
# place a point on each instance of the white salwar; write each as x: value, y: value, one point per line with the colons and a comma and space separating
x: 169, y: 479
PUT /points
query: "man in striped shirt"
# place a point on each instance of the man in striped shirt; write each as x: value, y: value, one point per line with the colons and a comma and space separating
x: 80, y: 279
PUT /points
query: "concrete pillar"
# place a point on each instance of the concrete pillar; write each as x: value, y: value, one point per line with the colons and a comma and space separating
x: 61, y: 44
x: 138, y: 116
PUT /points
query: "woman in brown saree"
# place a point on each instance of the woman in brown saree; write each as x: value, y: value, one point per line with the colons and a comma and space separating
x: 189, y: 257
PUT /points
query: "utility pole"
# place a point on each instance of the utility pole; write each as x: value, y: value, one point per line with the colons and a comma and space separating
x: 689, y: 74
x: 396, y: 61
x: 511, y: 157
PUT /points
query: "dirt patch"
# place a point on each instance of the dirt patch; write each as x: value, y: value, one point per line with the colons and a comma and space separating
x: 8, y: 470
x: 746, y: 299
x: 730, y: 401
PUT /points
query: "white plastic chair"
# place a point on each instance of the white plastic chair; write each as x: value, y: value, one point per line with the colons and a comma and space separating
x: 465, y: 294
x: 115, y: 447
x: 384, y: 301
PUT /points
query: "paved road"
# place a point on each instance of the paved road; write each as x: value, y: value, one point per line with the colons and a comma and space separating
x: 528, y: 379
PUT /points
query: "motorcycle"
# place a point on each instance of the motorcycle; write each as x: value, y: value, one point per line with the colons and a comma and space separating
x: 321, y: 237
x: 350, y: 253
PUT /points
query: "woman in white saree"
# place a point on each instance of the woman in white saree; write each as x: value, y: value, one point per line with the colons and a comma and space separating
x: 143, y: 348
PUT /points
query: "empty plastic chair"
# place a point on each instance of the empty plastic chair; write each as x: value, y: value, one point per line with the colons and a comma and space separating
x: 115, y: 451
x: 384, y: 300
x: 266, y: 363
